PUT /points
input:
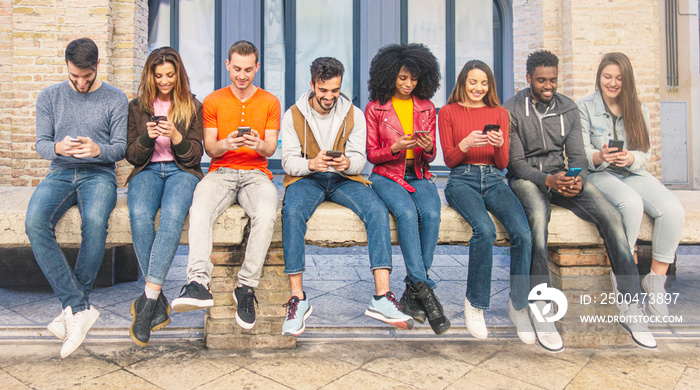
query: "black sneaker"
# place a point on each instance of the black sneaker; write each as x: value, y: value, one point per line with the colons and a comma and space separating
x: 193, y: 296
x: 246, y: 300
x: 433, y: 309
x: 411, y: 306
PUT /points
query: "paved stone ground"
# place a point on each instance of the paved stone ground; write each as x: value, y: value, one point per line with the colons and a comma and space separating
x: 356, y: 364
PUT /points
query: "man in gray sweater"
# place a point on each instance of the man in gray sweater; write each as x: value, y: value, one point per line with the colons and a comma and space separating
x: 545, y: 134
x: 81, y: 129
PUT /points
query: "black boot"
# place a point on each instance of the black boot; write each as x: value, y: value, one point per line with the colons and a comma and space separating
x: 142, y: 312
x: 161, y: 315
x: 432, y: 306
x: 411, y: 306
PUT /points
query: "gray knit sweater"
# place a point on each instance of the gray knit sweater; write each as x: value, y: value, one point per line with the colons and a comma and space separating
x: 100, y: 115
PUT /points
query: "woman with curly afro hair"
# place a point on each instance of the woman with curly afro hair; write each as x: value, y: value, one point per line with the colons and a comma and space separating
x: 401, y: 144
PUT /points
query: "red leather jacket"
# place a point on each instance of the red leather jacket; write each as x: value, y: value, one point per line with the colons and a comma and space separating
x: 384, y: 129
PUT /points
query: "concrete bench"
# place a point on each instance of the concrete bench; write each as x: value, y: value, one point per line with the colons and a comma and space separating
x: 576, y: 249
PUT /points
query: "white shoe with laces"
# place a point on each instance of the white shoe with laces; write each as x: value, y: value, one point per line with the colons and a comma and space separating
x: 475, y: 321
x: 57, y: 327
x: 522, y: 323
x: 547, y: 333
x: 77, y: 326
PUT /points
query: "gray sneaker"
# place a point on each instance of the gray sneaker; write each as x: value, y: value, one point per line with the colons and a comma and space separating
x: 632, y: 320
x: 656, y: 293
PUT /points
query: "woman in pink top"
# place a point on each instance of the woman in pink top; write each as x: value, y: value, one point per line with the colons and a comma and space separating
x: 474, y: 137
x: 164, y: 143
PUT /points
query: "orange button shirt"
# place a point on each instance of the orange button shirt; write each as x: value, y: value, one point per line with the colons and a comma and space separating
x: 224, y: 111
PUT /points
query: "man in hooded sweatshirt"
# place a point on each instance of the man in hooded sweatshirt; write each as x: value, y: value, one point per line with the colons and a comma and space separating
x: 544, y: 124
x: 323, y: 154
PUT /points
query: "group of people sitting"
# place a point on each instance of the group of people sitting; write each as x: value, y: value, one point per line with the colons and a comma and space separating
x: 582, y: 157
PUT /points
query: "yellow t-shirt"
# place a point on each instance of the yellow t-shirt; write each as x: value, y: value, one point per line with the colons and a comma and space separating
x: 404, y: 110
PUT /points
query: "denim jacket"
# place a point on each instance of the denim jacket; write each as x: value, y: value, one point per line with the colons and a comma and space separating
x: 597, y: 128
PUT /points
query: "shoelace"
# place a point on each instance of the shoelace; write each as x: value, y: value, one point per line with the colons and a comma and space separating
x: 392, y: 298
x: 189, y: 288
x: 247, y: 302
x: 292, y: 306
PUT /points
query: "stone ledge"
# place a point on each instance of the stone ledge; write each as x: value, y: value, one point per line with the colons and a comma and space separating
x: 565, y: 229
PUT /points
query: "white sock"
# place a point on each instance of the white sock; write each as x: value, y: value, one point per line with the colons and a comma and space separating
x: 151, y: 293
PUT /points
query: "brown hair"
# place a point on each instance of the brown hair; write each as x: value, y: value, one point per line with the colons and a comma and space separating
x: 244, y: 48
x: 459, y: 92
x: 182, y: 109
x: 630, y: 106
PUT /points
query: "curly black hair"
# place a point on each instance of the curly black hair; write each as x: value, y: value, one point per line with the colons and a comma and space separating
x: 326, y: 68
x: 385, y: 67
x: 541, y: 58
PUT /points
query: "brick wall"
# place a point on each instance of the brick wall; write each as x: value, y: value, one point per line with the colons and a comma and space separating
x: 33, y: 36
x: 580, y: 32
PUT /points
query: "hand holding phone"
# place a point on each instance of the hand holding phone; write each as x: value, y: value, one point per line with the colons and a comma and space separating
x: 573, y: 172
x: 488, y: 128
x: 616, y: 143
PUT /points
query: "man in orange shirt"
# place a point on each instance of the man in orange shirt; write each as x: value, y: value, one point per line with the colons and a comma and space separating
x: 241, y: 124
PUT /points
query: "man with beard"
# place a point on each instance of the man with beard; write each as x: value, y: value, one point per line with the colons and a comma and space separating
x: 323, y: 154
x: 81, y: 129
x: 543, y: 125
x: 241, y: 124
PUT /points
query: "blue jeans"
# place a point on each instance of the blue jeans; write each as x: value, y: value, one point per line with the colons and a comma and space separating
x: 164, y: 186
x: 303, y: 197
x: 590, y: 205
x: 95, y: 193
x: 474, y: 191
x: 417, y: 222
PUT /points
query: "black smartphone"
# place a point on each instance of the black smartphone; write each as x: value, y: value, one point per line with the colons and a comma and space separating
x: 158, y: 118
x: 616, y: 143
x: 333, y: 153
x: 573, y: 172
x: 488, y: 128
x: 243, y: 130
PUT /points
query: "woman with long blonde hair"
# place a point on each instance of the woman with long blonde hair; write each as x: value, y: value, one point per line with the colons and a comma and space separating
x: 164, y: 143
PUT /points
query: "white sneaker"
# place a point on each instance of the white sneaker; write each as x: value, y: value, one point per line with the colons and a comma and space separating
x: 631, y: 319
x: 57, y: 327
x: 475, y: 320
x: 77, y: 326
x: 522, y: 323
x: 653, y: 284
x: 547, y: 333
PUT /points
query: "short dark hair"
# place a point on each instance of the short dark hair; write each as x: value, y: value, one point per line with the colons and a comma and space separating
x: 326, y: 68
x: 244, y: 48
x: 82, y: 53
x: 541, y: 58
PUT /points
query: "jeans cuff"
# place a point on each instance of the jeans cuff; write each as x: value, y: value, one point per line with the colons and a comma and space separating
x: 662, y: 258
x: 482, y: 307
x: 157, y: 281
x: 294, y: 271
x: 381, y: 267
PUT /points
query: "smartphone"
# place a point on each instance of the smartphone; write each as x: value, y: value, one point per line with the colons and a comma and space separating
x: 616, y: 143
x: 76, y: 140
x: 488, y: 128
x: 243, y: 130
x: 158, y: 118
x: 573, y: 172
x: 420, y: 132
x: 333, y: 153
